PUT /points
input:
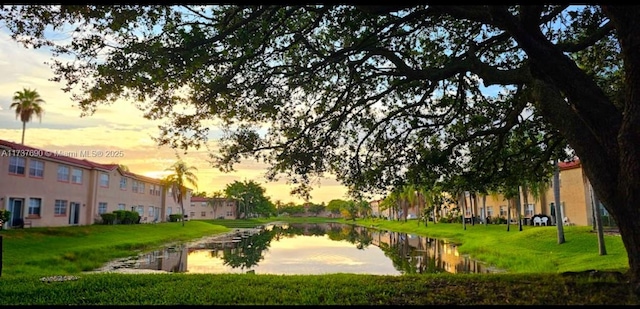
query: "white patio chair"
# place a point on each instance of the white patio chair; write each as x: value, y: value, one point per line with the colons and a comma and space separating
x: 537, y: 221
x: 544, y: 220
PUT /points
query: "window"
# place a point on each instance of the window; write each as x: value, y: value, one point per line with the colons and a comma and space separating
x: 169, y: 211
x: 203, y: 204
x: 503, y: 211
x: 104, y: 180
x: 34, y: 206
x: 141, y: 188
x: 490, y: 211
x: 141, y: 210
x: 76, y: 176
x: 60, y: 208
x: 528, y: 210
x: 123, y: 183
x: 36, y: 168
x: 203, y: 214
x: 121, y: 206
x: 193, y: 204
x: 229, y: 214
x: 16, y: 165
x: 152, y: 189
x: 102, y: 208
x: 63, y: 173
x: 192, y: 214
x: 229, y: 204
x: 151, y: 211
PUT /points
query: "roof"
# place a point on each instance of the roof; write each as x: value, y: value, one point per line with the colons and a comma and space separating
x: 199, y: 199
x: 196, y: 199
x: 575, y: 163
x: 56, y: 157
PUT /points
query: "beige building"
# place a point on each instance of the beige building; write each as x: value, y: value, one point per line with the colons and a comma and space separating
x: 205, y: 208
x: 43, y: 188
x: 575, y: 199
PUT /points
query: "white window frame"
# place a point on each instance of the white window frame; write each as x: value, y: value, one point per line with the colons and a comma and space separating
x: 76, y: 176
x: 17, y: 163
x: 36, y: 168
x: 35, y: 206
x: 64, y: 177
x: 102, y: 208
x: 104, y: 180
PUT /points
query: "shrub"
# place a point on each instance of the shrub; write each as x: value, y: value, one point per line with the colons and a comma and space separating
x: 5, y: 215
x: 127, y: 217
x: 174, y: 218
x: 108, y: 218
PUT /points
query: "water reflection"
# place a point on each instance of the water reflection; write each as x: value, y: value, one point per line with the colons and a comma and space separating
x: 315, y: 249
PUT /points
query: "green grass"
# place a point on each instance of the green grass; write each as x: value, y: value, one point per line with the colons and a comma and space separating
x: 533, y: 258
x: 70, y: 250
x: 535, y: 249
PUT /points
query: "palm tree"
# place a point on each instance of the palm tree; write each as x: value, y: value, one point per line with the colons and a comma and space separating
x: 27, y: 104
x: 176, y: 181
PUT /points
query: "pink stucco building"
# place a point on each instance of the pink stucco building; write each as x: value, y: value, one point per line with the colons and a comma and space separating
x: 44, y: 188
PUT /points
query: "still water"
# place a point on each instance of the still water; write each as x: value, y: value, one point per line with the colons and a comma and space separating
x: 314, y: 248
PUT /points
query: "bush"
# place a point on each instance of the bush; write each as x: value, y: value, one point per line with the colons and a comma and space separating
x: 127, y: 217
x: 5, y: 215
x: 108, y: 218
x: 174, y: 218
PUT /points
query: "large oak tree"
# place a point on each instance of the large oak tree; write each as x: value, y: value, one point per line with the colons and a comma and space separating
x: 372, y: 94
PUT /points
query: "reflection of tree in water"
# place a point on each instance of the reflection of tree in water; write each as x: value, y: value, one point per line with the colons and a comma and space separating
x: 408, y: 259
x: 359, y: 236
x: 248, y: 252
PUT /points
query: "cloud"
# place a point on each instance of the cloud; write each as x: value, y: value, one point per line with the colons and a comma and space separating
x: 116, y: 127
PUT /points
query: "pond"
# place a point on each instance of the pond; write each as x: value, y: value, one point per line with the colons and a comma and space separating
x: 312, y: 248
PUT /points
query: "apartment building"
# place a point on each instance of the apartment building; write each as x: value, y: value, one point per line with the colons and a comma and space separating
x: 45, y: 188
x: 576, y: 201
x: 206, y: 208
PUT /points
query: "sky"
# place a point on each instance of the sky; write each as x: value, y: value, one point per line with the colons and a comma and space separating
x: 119, y: 128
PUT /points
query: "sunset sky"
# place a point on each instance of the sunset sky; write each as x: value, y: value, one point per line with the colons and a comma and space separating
x: 120, y: 126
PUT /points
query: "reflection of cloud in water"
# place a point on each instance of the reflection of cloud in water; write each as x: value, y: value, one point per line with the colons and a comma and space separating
x: 326, y: 259
x: 302, y: 255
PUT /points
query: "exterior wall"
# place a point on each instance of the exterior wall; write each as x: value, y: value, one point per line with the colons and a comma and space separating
x: 172, y: 207
x: 574, y: 196
x: 114, y: 195
x: 87, y: 195
x: 48, y: 189
x: 220, y: 208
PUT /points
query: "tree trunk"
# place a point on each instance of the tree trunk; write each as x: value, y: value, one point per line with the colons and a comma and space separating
x: 525, y: 196
x: 556, y: 196
x: 24, y: 127
x: 508, y: 214
x: 602, y: 250
x: 472, y: 201
x: 484, y: 207
x: 463, y: 203
x: 182, y: 208
x: 519, y: 210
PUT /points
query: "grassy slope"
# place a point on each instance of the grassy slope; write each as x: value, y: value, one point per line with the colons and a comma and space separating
x: 32, y: 253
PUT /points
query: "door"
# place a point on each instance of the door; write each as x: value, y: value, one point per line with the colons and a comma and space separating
x: 16, y: 205
x: 74, y: 213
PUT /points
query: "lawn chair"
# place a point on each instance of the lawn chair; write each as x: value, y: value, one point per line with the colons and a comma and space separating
x: 544, y: 220
x: 537, y: 221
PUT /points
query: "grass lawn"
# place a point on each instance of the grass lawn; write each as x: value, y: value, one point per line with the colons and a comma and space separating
x: 533, y: 258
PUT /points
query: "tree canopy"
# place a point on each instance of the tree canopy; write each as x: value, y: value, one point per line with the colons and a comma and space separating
x: 376, y: 95
x: 251, y: 198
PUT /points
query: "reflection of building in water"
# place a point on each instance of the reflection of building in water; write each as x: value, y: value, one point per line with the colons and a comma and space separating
x: 170, y: 259
x: 428, y: 253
